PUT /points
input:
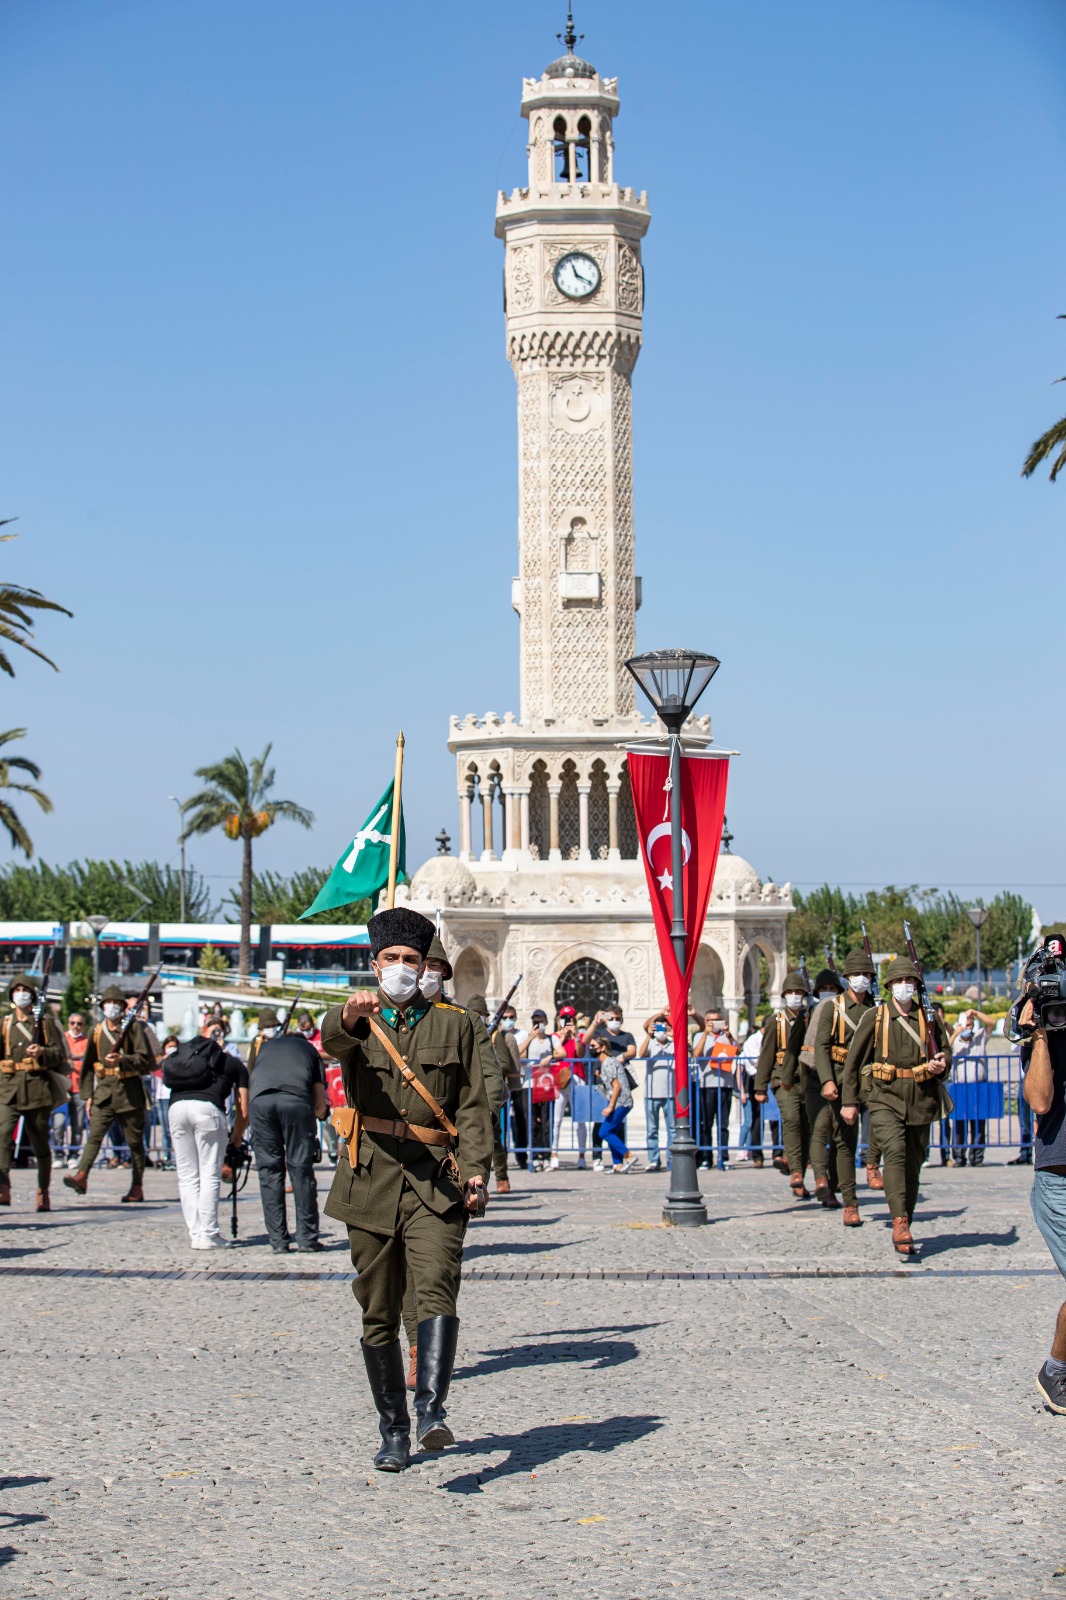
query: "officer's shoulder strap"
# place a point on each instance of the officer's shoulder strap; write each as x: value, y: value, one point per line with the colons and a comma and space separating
x: 98, y: 1033
x: 446, y: 1005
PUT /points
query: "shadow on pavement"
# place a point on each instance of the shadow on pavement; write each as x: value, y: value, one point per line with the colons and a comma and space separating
x: 538, y: 1446
x: 576, y: 1346
x: 16, y: 1519
x: 518, y: 1247
x: 966, y: 1241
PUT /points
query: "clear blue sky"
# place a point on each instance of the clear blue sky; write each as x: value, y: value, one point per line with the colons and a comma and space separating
x: 259, y: 428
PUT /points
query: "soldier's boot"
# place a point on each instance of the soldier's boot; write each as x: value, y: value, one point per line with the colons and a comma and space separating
x: 782, y: 1165
x: 874, y: 1179
x: 823, y: 1193
x: 851, y: 1217
x: 799, y: 1188
x: 384, y: 1368
x: 437, y: 1339
x: 5, y: 1189
x: 902, y: 1242
x: 503, y: 1186
x: 44, y: 1200
x: 412, y: 1367
x: 135, y: 1195
x: 78, y: 1181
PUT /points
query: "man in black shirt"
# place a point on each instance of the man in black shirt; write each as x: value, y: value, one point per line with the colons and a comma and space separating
x: 288, y: 1099
x: 1044, y: 1088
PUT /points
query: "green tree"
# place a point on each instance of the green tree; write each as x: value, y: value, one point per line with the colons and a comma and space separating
x: 237, y: 799
x: 1048, y: 443
x: 17, y: 606
x: 87, y: 888
x: 823, y: 913
x: 78, y: 990
x: 276, y: 898
x: 9, y: 817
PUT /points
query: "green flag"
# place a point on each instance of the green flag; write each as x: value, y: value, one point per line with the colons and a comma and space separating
x: 363, y: 869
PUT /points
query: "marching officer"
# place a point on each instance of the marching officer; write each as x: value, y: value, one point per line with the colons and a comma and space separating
x: 112, y: 1086
x: 417, y: 1144
x: 898, y: 1069
x: 779, y: 1067
x: 827, y: 989
x: 834, y: 1028
x: 25, y: 1087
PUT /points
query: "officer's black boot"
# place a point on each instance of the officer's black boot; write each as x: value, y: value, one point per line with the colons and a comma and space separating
x: 437, y: 1339
x: 385, y: 1369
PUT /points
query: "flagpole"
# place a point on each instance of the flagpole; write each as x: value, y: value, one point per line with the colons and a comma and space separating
x: 394, y: 832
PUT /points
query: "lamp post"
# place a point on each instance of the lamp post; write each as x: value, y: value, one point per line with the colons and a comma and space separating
x: 978, y: 915
x: 97, y: 924
x: 673, y: 681
x: 181, y: 840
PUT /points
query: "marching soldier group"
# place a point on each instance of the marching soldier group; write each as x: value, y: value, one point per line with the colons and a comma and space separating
x: 828, y: 1062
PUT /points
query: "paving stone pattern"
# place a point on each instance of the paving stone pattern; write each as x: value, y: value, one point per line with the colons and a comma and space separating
x: 640, y: 1410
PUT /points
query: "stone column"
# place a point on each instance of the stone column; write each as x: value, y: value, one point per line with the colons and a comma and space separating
x: 555, y: 789
x: 524, y: 821
x: 488, y: 854
x: 613, y: 791
x: 509, y: 819
x: 466, y: 806
x: 583, y: 791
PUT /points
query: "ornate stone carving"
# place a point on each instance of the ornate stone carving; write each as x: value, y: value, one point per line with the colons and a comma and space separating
x: 629, y: 283
x: 577, y: 402
x: 574, y: 347
x: 520, y: 296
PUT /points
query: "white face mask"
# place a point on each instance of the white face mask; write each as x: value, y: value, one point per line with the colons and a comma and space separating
x: 794, y: 1001
x: 859, y: 983
x: 267, y: 1033
x: 827, y: 994
x: 399, y: 981
x: 507, y: 1025
x: 903, y: 992
x: 112, y: 1010
x: 430, y: 983
x: 614, y: 1025
x: 22, y: 998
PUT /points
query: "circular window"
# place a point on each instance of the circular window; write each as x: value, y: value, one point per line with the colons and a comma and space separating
x: 588, y: 986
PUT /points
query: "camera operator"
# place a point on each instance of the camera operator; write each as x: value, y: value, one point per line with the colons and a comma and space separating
x: 1045, y: 1093
x: 288, y: 1100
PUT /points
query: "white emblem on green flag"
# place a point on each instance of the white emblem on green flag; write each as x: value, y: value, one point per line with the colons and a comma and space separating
x: 363, y: 869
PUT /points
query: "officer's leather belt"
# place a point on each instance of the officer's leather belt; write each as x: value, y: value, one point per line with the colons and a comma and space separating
x: 116, y: 1072
x: 885, y: 1072
x: 9, y: 1068
x: 401, y: 1129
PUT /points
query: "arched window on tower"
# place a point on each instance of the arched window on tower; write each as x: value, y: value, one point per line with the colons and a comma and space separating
x: 569, y: 814
x: 562, y: 152
x: 627, y: 822
x: 582, y: 151
x: 599, y: 813
x: 538, y: 812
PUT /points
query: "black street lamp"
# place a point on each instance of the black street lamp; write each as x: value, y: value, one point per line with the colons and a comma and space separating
x: 978, y: 915
x: 673, y: 681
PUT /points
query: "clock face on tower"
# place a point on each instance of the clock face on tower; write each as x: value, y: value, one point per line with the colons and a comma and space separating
x: 576, y: 275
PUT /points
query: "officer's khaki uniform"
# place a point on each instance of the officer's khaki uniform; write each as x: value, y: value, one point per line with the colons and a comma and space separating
x: 779, y: 1066
x: 834, y: 1025
x: 404, y: 1212
x: 886, y: 1067
x: 116, y: 1092
x: 26, y: 1090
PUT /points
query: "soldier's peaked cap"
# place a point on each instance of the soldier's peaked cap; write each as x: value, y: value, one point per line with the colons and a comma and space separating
x: 437, y: 952
x: 858, y: 961
x: 826, y: 979
x: 113, y: 993
x: 268, y: 1017
x: 478, y: 1003
x: 902, y: 967
x: 21, y: 981
x: 793, y: 983
x: 401, y: 925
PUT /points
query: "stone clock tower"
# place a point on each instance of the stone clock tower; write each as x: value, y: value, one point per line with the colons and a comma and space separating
x: 548, y: 880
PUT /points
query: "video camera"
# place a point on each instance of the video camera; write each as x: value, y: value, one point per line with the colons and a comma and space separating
x: 1044, y: 983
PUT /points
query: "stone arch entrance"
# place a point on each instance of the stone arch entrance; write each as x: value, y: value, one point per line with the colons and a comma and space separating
x: 470, y: 975
x: 707, y: 979
x: 587, y: 985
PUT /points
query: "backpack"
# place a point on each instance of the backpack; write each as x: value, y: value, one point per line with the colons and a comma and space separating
x: 194, y: 1065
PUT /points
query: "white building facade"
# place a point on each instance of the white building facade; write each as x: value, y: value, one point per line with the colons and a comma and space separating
x: 548, y: 881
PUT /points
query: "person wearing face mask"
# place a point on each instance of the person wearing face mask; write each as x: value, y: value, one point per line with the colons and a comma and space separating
x: 833, y: 1031
x: 305, y: 1025
x: 657, y: 1049
x: 779, y: 1067
x: 112, y: 1086
x: 286, y: 1101
x: 717, y: 1083
x: 827, y: 989
x: 25, y: 1087
x: 266, y: 1027
x: 505, y: 1043
x: 899, y: 1070
x: 409, y: 1174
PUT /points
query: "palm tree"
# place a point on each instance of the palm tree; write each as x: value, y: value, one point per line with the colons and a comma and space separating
x: 16, y: 604
x: 1054, y: 439
x: 237, y: 800
x: 9, y: 817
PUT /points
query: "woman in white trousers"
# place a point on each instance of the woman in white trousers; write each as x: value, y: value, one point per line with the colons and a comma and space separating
x: 199, y: 1133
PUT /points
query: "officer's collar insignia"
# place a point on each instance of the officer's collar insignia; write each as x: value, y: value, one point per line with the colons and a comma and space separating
x: 413, y: 1014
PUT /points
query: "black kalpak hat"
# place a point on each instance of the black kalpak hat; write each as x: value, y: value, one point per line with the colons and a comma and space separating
x: 401, y: 925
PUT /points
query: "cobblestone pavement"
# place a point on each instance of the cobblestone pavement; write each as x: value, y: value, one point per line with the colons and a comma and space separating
x: 804, y: 1418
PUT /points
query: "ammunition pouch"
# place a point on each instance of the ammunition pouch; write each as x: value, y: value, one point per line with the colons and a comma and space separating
x: 838, y: 1053
x: 883, y: 1072
x: 779, y: 1056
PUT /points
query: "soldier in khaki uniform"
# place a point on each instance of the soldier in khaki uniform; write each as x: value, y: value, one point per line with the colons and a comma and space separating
x: 827, y: 988
x: 404, y: 1184
x: 834, y: 1027
x: 25, y: 1087
x: 266, y: 1027
x: 898, y: 1070
x: 112, y: 1086
x: 779, y: 1066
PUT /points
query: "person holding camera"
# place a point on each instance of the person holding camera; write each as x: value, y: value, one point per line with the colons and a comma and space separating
x: 201, y: 1076
x: 897, y: 1069
x: 287, y: 1100
x: 1044, y: 1088
x: 413, y: 1168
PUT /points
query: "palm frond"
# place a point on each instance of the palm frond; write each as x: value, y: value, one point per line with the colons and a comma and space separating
x: 289, y: 811
x: 1054, y: 439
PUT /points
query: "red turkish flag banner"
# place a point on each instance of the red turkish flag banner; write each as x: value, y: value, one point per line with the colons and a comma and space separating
x: 703, y: 792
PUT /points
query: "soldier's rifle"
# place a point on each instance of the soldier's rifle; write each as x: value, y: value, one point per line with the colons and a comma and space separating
x: 830, y: 963
x: 805, y: 975
x: 42, y: 1000
x: 932, y: 1021
x: 868, y: 948
x: 504, y: 1003
x: 132, y: 1014
x: 290, y: 1014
